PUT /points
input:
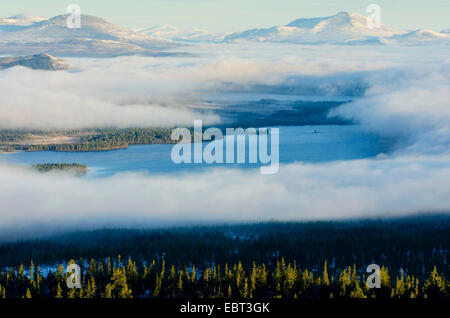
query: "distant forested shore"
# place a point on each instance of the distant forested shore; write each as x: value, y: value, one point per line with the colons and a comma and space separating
x: 272, y: 259
x: 81, y: 140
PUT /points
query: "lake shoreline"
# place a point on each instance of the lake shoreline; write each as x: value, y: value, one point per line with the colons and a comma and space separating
x: 311, y: 144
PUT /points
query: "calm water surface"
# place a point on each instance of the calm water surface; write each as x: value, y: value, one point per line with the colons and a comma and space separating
x: 299, y: 143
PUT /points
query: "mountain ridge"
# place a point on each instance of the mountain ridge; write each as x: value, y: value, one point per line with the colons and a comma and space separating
x: 21, y: 19
x: 35, y: 62
x: 339, y: 28
x: 174, y: 33
x: 27, y: 35
x: 97, y: 37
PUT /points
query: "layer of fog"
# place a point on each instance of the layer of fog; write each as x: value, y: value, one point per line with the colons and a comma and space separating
x: 412, y: 106
x: 364, y: 188
x: 144, y: 91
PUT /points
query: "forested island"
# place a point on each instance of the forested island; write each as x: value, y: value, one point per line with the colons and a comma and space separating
x: 79, y: 169
x: 273, y: 260
x: 82, y: 140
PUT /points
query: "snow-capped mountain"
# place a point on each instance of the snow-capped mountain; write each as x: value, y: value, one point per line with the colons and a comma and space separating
x: 28, y: 35
x: 183, y: 35
x: 35, y: 62
x: 17, y: 21
x: 340, y: 28
x: 96, y: 37
x: 21, y: 19
x: 419, y: 37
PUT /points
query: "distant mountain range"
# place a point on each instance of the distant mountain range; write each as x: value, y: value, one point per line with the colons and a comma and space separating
x: 27, y: 35
x: 35, y: 62
x: 419, y: 37
x: 18, y: 21
x: 96, y: 37
x: 182, y: 35
x: 342, y: 28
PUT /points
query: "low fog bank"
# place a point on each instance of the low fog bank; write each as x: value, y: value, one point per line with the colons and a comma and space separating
x: 339, y: 190
x: 166, y: 92
x: 412, y: 106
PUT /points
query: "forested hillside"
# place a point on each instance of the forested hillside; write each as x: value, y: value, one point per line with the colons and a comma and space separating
x: 260, y: 260
x: 117, y: 279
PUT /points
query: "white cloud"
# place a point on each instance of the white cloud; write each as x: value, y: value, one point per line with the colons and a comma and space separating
x: 362, y: 188
x: 144, y: 91
x: 92, y: 98
x: 411, y: 105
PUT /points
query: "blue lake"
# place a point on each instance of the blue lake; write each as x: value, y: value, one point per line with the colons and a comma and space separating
x: 297, y: 143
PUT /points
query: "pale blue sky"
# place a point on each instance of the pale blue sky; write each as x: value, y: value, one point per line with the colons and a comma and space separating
x: 235, y: 15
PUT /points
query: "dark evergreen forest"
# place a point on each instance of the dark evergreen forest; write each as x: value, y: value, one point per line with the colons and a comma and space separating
x: 310, y: 259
